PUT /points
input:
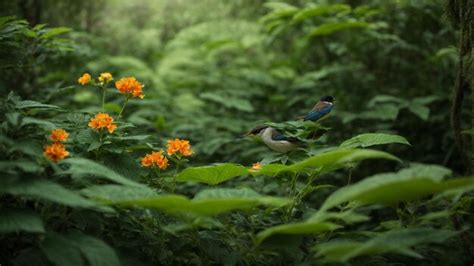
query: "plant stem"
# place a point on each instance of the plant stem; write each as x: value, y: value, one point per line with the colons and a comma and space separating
x: 103, y: 98
x: 123, y: 107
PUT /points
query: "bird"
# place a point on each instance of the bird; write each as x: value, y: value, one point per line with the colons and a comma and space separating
x: 320, y: 110
x: 274, y: 139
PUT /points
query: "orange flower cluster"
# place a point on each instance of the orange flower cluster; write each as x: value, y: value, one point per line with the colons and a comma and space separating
x: 105, y: 77
x: 55, y: 152
x: 103, y: 120
x: 180, y: 146
x: 155, y: 159
x: 86, y: 78
x: 130, y: 86
x: 59, y: 135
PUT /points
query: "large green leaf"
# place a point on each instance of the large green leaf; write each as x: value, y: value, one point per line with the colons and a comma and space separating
x: 96, y: 251
x: 302, y: 228
x: 61, y: 251
x: 213, y: 174
x: 328, y: 161
x: 332, y: 27
x: 80, y: 167
x: 207, y: 202
x: 44, y: 189
x: 33, y: 104
x: 394, y: 187
x: 370, y: 139
x: 397, y: 241
x: 118, y: 192
x: 319, y: 10
x: 20, y: 221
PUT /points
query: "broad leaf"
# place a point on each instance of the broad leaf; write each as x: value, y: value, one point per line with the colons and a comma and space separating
x: 207, y: 202
x: 394, y: 187
x: 80, y: 167
x: 44, y: 189
x: 14, y: 221
x: 96, y: 251
x: 302, y: 228
x: 370, y: 139
x: 332, y: 27
x: 213, y: 174
x: 118, y: 192
x: 397, y: 241
x: 33, y: 104
x: 326, y: 162
x: 319, y: 10
x: 61, y: 251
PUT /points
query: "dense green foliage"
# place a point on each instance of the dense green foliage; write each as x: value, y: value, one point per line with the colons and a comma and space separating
x: 384, y: 185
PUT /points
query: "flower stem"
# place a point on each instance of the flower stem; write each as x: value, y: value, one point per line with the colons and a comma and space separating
x: 123, y: 107
x: 103, y: 98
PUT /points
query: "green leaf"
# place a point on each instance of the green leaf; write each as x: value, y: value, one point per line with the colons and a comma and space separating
x: 61, y: 251
x: 118, y: 192
x: 302, y: 228
x: 14, y: 221
x: 469, y: 131
x: 326, y: 162
x: 319, y: 10
x: 80, y: 167
x: 421, y: 111
x: 212, y: 175
x: 370, y: 139
x: 332, y: 27
x: 33, y: 104
x: 396, y: 241
x: 96, y: 251
x: 207, y: 202
x: 55, y: 31
x: 391, y: 188
x: 44, y: 189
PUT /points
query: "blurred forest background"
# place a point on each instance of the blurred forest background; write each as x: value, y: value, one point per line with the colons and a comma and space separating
x: 213, y: 69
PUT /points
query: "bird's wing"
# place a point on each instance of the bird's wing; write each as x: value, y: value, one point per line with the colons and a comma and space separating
x: 278, y: 136
x: 319, y: 110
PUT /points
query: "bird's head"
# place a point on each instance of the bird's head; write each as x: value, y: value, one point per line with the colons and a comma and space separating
x: 329, y: 99
x: 257, y: 131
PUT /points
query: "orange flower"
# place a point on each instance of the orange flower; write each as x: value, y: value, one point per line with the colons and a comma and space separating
x: 257, y: 166
x: 86, y: 78
x: 130, y: 86
x: 103, y: 120
x: 179, y: 145
x: 105, y: 77
x: 155, y: 159
x: 59, y: 135
x: 55, y: 152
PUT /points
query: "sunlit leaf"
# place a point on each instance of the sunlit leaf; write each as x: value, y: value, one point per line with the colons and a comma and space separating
x: 319, y: 10
x: 328, y: 161
x: 393, y: 187
x: 332, y: 27
x: 213, y: 174
x: 207, y: 202
x: 370, y: 139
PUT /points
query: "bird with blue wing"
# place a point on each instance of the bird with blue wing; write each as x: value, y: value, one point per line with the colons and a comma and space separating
x: 274, y: 139
x: 320, y: 110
